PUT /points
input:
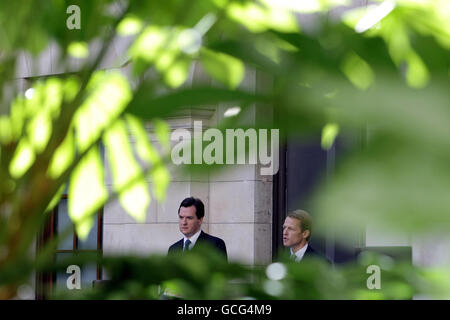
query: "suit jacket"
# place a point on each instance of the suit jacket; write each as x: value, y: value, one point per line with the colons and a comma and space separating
x: 309, y: 253
x: 203, y: 238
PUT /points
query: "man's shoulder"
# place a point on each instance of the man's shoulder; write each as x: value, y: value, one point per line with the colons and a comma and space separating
x: 176, y: 245
x: 214, y: 241
x: 208, y: 237
x: 310, y: 252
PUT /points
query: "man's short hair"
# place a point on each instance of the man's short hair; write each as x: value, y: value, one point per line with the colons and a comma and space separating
x: 197, y: 203
x: 304, y: 218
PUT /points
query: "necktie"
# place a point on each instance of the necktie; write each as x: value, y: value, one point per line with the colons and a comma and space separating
x: 293, y: 257
x: 186, y: 245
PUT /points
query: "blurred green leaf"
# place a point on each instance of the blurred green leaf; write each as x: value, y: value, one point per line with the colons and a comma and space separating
x: 39, y: 131
x: 134, y: 197
x: 160, y: 46
x: 162, y: 131
x: 358, y: 71
x: 398, y: 183
x: 258, y: 18
x: 56, y: 198
x: 329, y: 134
x: 78, y: 50
x: 161, y: 179
x: 147, y: 106
x: 109, y: 95
x: 5, y: 130
x: 129, y: 25
x: 159, y: 173
x: 175, y: 69
x: 417, y: 74
x: 63, y: 156
x: 307, y: 6
x: 144, y: 148
x: 222, y: 67
x: 22, y: 160
x: 87, y: 192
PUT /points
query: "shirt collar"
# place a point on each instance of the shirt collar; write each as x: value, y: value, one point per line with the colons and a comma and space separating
x: 193, y: 239
x: 300, y: 253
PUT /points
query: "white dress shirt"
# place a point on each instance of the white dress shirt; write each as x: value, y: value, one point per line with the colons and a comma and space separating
x: 193, y: 239
x: 300, y: 253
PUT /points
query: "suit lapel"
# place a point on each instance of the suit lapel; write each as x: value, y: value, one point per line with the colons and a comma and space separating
x: 202, y: 236
x: 179, y: 244
x: 310, y: 251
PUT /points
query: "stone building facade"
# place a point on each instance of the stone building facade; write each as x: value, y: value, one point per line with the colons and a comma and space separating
x: 238, y: 200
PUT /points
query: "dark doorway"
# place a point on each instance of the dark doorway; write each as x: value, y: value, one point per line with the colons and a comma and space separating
x: 304, y: 164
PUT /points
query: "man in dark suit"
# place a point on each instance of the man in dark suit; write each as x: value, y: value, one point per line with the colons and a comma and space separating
x: 296, y: 233
x: 190, y: 214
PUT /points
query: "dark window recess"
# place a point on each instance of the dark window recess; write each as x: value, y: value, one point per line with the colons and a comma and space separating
x: 59, y: 223
x: 303, y: 166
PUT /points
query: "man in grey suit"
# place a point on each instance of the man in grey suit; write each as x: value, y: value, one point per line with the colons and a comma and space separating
x: 190, y: 214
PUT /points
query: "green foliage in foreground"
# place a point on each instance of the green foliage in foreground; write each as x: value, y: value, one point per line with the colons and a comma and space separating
x: 335, y: 77
x: 203, y: 274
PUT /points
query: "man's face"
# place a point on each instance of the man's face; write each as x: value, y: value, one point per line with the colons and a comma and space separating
x: 188, y: 221
x: 293, y: 237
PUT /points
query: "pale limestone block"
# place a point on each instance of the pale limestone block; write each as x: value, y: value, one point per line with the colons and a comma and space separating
x: 11, y: 89
x: 431, y: 250
x: 113, y: 212
x: 122, y: 45
x: 199, y: 175
x: 179, y: 173
x: 236, y: 172
x: 263, y: 202
x: 265, y: 178
x: 263, y: 244
x: 109, y: 179
x: 378, y: 238
x: 199, y: 76
x: 204, y: 227
x: 201, y: 190
x: 43, y: 63
x: 177, y: 191
x: 74, y: 64
x: 184, y: 173
x: 168, y: 211
x: 23, y: 65
x: 249, y: 81
x: 55, y: 55
x: 232, y: 202
x: 139, y: 239
x: 116, y: 55
x: 239, y: 240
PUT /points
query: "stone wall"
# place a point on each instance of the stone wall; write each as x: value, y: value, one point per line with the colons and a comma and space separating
x: 238, y: 200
